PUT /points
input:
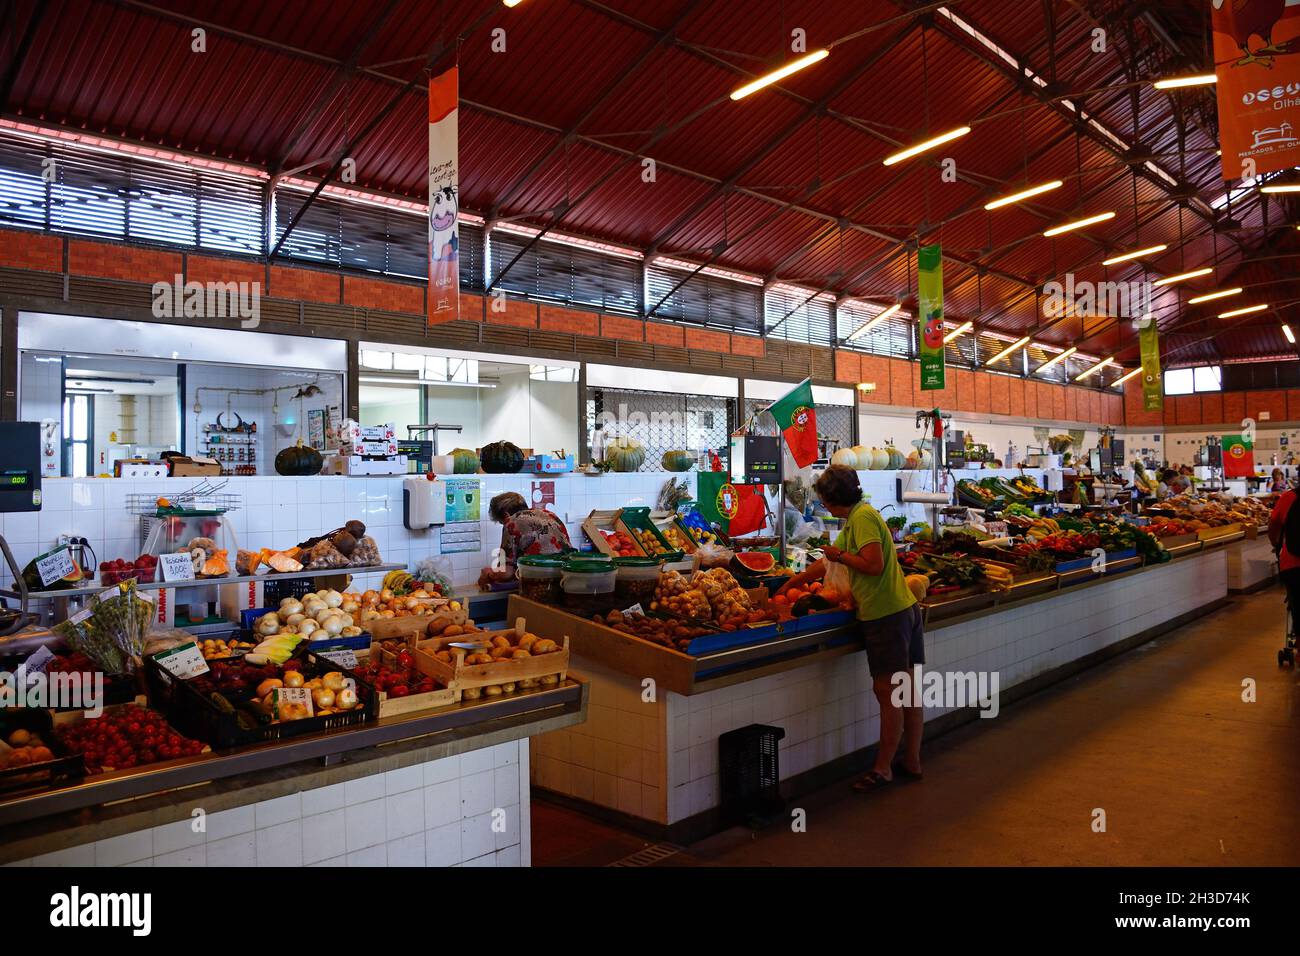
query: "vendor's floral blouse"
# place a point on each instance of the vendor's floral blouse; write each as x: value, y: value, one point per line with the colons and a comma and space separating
x: 533, y: 531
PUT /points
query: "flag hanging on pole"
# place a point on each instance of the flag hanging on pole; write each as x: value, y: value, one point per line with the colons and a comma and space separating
x: 796, y: 416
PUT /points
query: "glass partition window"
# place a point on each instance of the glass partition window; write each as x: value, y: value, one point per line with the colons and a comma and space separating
x: 473, y: 400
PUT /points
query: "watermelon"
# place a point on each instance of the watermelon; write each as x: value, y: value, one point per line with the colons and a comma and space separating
x: 502, y: 458
x: 625, y: 454
x: 465, y: 461
x: 677, y: 461
x: 756, y: 562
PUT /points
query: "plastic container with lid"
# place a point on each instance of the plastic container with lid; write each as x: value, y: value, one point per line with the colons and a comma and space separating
x: 539, y: 577
x: 636, y: 579
x: 588, y: 585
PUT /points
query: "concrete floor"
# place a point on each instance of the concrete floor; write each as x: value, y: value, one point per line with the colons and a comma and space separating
x: 1160, y: 739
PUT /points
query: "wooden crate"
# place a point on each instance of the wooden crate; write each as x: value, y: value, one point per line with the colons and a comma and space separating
x: 1227, y: 530
x: 464, y: 676
x: 608, y: 521
x: 385, y: 628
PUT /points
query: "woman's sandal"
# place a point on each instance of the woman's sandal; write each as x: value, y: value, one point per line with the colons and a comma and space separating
x: 870, y: 781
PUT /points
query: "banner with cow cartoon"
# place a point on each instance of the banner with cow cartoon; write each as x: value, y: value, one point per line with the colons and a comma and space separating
x: 929, y: 298
x: 1257, y: 66
x: 444, y: 185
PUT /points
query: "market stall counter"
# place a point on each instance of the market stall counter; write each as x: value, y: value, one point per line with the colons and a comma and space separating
x: 437, y: 787
x: 648, y: 755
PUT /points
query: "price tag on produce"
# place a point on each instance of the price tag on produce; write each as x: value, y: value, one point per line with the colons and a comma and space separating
x: 81, y: 615
x: 635, y: 610
x: 176, y: 567
x: 184, y: 661
x: 346, y: 658
x: 55, y: 565
x: 292, y: 703
x: 798, y: 560
x: 37, y: 663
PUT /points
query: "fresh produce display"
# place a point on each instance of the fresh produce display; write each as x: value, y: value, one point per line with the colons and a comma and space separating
x: 220, y: 649
x: 32, y: 577
x: 676, y: 596
x: 622, y: 545
x: 677, y: 461
x: 142, y: 569
x: 972, y: 493
x: 949, y: 572
x: 26, y: 748
x: 756, y: 562
x: 797, y: 602
x: 111, y: 630
x: 894, y: 458
x: 464, y: 461
x: 298, y: 459
x: 649, y: 541
x: 321, y: 616
x: 400, y: 678
x: 676, y: 539
x: 502, y: 458
x: 507, y: 648
x: 918, y: 584
x: 625, y: 454
x: 207, y: 559
x: 127, y: 736
x: 657, y: 630
x: 253, y: 692
x: 845, y: 457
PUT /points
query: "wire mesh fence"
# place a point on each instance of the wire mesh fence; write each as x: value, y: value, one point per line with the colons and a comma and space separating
x: 661, y: 422
x: 834, y: 422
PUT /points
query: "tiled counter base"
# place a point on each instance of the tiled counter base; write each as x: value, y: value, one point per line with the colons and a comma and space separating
x: 469, y: 809
x: 655, y: 765
x: 1251, y: 564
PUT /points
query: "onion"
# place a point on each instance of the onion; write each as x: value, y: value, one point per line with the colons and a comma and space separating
x: 333, y: 599
x: 293, y: 679
x: 290, y: 606
x: 307, y: 627
x: 323, y: 697
x: 345, y: 699
x: 333, y: 626
x: 370, y: 614
x: 350, y: 631
x: 350, y: 606
x: 296, y: 619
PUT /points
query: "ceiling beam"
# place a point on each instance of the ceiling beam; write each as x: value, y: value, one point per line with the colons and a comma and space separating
x: 24, y: 46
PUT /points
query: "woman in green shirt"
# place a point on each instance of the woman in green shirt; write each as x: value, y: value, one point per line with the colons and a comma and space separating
x: 891, y: 619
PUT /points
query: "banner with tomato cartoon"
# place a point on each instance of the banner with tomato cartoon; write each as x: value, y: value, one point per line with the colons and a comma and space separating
x: 444, y: 187
x: 929, y: 297
x: 1238, y: 456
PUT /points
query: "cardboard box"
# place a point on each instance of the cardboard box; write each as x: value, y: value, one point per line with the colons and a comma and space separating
x: 195, y: 467
x: 356, y: 465
x: 368, y: 449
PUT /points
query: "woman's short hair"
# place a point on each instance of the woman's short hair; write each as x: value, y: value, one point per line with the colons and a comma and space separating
x: 839, y: 486
x: 505, y: 505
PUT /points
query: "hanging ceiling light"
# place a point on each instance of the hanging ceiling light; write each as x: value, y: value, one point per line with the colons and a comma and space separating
x: 1024, y: 194
x: 1290, y: 336
x: 1246, y: 310
x: 1096, y: 368
x: 1135, y: 254
x: 958, y: 332
x: 1280, y: 188
x: 1019, y: 343
x: 870, y: 324
x: 928, y: 144
x: 1125, y: 377
x: 1177, y: 82
x: 1170, y: 280
x: 512, y: 3
x: 1210, y: 296
x: 780, y: 73
x: 1078, y: 224
x: 1059, y: 358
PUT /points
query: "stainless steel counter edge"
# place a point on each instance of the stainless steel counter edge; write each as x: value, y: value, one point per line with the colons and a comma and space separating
x: 128, y: 801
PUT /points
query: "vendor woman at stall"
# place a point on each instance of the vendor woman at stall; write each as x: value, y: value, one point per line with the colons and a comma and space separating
x: 889, y: 615
x: 526, y: 530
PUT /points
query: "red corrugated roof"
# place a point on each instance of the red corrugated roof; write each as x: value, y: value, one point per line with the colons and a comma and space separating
x: 790, y: 178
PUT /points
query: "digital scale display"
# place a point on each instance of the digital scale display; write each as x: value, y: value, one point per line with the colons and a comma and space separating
x: 755, y: 459
x: 15, y: 479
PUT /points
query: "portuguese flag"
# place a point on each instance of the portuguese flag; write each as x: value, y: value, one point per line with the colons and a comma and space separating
x: 736, y: 509
x: 796, y: 416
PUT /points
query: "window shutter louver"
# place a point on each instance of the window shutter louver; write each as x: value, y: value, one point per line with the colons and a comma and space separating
x: 796, y: 315
x: 704, y: 299
x: 565, y: 274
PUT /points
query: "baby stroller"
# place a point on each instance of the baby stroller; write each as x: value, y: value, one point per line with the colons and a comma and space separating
x: 1286, y: 654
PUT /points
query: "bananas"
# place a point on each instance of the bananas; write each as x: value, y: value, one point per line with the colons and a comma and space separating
x: 1042, y: 527
x: 399, y: 582
x: 999, y: 578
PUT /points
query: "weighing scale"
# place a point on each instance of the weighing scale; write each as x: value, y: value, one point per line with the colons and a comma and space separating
x: 20, y: 490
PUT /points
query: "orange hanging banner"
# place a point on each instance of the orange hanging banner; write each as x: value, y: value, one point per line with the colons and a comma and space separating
x: 444, y: 189
x: 1257, y: 66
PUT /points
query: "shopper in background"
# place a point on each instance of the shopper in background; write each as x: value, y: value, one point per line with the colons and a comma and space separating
x: 1278, y: 483
x: 526, y: 530
x: 891, y: 619
x: 1284, y: 535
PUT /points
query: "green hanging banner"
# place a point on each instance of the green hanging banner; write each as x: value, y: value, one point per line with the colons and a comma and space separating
x: 929, y: 296
x: 1152, y: 388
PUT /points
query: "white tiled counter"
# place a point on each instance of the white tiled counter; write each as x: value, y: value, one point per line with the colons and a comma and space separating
x: 468, y: 809
x: 1250, y: 563
x: 658, y: 762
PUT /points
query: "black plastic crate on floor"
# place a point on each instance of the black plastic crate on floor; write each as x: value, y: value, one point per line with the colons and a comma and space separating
x: 749, y: 767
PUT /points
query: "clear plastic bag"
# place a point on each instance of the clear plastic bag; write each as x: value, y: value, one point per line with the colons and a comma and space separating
x: 838, y: 577
x: 712, y: 556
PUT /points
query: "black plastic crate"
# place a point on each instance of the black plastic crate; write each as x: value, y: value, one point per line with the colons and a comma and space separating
x: 195, y: 715
x: 276, y: 588
x: 749, y: 767
x: 65, y: 766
